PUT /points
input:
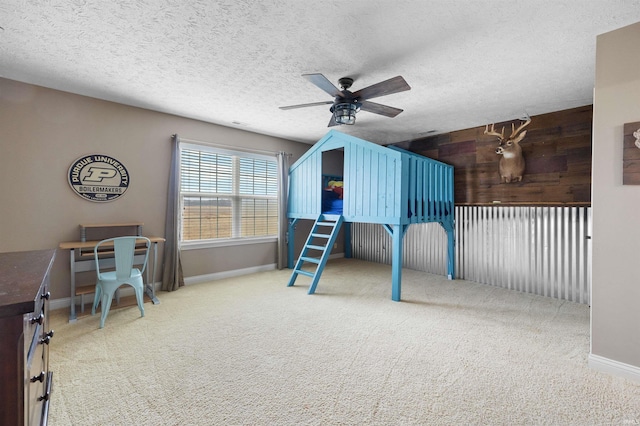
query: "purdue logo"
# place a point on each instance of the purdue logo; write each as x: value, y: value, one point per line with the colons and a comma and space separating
x: 98, y: 177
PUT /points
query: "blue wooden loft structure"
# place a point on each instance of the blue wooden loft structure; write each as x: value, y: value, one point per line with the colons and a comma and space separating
x: 385, y: 185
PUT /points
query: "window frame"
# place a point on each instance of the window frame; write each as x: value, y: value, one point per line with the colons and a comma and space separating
x: 235, y: 195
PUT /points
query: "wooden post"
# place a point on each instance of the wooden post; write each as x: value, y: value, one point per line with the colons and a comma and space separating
x: 347, y: 240
x: 291, y: 242
x: 397, y: 234
x: 449, y: 228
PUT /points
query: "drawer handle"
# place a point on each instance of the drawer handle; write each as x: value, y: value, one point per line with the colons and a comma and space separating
x: 46, y: 295
x: 47, y: 393
x: 39, y: 319
x: 38, y: 378
x: 47, y: 338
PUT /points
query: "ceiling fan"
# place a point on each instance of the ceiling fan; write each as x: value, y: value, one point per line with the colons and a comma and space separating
x: 346, y: 104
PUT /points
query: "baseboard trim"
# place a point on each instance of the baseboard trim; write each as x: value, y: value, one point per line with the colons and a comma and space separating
x: 615, y: 368
x: 62, y: 303
x: 238, y: 272
x: 228, y: 274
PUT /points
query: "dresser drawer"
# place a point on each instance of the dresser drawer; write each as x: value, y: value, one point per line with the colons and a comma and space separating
x: 35, y: 380
x: 25, y: 380
x: 38, y: 378
x: 39, y: 398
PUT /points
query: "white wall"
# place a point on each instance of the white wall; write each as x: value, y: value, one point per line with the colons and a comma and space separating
x: 615, y: 313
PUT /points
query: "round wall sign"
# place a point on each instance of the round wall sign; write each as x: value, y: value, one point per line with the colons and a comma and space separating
x: 98, y: 177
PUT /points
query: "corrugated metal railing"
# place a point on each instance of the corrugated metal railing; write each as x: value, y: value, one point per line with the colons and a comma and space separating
x: 540, y: 250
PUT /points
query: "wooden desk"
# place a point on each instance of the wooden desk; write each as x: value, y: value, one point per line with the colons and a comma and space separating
x: 85, y: 261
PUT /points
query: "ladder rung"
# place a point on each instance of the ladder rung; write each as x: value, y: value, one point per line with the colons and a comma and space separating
x: 310, y: 259
x: 331, y: 224
x: 309, y: 274
x: 321, y: 235
x: 320, y: 248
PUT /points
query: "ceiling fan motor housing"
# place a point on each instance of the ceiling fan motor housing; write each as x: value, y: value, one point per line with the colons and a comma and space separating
x: 345, y: 82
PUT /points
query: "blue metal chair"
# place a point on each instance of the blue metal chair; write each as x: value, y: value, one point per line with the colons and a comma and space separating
x: 124, y: 249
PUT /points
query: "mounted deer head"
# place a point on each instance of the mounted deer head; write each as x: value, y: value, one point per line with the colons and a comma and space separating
x: 512, y: 162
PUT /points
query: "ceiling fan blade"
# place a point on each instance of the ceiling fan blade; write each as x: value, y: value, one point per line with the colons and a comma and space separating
x: 307, y: 105
x: 375, y: 108
x: 323, y: 83
x: 333, y: 121
x: 387, y: 87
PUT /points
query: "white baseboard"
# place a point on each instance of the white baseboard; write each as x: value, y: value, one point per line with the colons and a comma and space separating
x: 56, y: 304
x: 228, y: 274
x: 237, y: 272
x: 615, y: 368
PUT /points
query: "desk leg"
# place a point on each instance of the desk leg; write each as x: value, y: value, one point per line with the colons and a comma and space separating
x: 150, y: 288
x: 72, y: 261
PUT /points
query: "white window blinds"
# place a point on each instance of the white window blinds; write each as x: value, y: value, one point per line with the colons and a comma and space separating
x: 227, y: 195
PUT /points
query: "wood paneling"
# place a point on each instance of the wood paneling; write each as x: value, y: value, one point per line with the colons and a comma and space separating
x: 557, y: 151
x: 631, y: 155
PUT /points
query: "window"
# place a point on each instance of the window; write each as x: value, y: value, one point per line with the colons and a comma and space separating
x: 227, y: 195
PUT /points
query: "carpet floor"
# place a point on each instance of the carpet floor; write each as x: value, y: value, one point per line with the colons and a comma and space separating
x: 251, y: 351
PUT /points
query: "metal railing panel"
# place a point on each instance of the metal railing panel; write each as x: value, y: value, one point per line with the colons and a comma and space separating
x: 539, y: 250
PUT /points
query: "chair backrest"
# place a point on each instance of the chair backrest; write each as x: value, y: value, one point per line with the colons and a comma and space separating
x: 124, y: 249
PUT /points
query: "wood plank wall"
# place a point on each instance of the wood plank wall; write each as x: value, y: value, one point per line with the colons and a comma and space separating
x: 631, y: 155
x: 557, y: 151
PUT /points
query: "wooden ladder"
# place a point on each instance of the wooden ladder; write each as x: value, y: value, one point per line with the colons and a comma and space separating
x: 321, y: 239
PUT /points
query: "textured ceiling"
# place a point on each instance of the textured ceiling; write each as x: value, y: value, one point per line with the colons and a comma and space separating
x: 234, y: 62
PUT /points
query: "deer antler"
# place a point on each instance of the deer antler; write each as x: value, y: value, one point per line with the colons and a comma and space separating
x: 514, y: 131
x: 493, y: 132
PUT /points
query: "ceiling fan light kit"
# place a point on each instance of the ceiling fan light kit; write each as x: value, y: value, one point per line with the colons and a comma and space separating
x: 345, y: 113
x: 346, y: 104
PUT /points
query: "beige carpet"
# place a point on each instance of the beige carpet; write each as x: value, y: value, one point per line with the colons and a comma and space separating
x: 250, y: 350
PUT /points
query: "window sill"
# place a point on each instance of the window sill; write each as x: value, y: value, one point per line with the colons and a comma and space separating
x: 205, y: 244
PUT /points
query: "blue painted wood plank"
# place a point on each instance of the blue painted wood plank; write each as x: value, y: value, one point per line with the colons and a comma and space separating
x: 396, y: 263
x: 290, y: 246
x: 384, y: 185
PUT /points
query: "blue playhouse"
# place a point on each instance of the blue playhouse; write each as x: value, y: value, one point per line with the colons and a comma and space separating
x: 385, y: 185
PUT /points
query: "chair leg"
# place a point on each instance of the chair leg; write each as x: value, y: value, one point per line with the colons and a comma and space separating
x: 96, y: 299
x: 106, y: 305
x: 140, y: 299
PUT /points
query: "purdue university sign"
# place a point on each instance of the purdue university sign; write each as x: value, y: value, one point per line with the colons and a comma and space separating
x: 98, y: 178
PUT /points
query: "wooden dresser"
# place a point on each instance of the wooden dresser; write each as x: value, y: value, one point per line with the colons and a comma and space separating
x: 25, y: 379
